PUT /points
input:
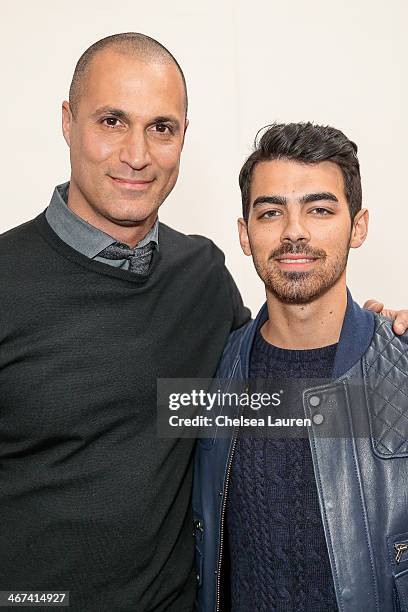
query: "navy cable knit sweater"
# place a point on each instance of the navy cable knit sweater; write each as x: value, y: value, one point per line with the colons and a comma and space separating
x: 278, y: 554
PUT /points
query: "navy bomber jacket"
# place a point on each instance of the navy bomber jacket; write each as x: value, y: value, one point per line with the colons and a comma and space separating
x: 362, y: 479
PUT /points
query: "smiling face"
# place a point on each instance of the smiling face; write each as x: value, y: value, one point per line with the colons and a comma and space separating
x: 125, y: 139
x: 299, y: 230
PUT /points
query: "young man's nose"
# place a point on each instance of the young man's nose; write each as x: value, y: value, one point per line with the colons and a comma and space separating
x: 295, y: 229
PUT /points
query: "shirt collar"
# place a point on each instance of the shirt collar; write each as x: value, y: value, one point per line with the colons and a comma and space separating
x: 79, y: 234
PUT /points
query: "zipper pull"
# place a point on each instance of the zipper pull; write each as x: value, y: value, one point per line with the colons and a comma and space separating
x: 198, y: 526
x: 399, y: 549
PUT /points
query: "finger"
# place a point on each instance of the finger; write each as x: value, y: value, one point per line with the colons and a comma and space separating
x: 400, y: 324
x: 374, y: 306
x: 390, y: 314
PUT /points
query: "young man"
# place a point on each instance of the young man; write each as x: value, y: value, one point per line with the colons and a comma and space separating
x: 315, y: 523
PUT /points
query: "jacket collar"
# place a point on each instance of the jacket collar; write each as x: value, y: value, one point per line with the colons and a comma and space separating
x: 355, y: 337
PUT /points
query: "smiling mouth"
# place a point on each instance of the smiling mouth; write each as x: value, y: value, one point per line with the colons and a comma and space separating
x: 297, y: 260
x: 131, y: 183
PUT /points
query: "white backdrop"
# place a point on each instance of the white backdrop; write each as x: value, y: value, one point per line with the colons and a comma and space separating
x: 247, y: 64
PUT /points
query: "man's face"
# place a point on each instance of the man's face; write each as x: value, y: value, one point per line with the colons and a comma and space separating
x: 299, y: 229
x: 126, y: 137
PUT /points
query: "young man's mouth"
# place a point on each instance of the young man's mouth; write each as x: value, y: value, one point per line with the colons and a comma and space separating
x: 299, y: 261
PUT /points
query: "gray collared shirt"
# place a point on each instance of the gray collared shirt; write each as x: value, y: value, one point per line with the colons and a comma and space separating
x: 82, y: 236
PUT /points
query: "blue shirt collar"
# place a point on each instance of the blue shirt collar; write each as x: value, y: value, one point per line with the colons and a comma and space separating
x: 79, y: 234
x: 355, y: 337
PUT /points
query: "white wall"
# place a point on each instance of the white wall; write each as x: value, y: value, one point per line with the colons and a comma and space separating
x: 247, y: 64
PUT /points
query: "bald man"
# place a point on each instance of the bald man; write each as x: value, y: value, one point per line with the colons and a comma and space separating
x: 101, y: 301
x: 98, y: 301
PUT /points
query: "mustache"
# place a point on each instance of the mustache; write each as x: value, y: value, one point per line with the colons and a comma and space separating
x: 296, y: 249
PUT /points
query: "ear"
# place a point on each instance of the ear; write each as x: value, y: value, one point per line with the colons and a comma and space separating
x: 243, y: 236
x: 67, y: 120
x: 359, y: 229
x: 186, y: 123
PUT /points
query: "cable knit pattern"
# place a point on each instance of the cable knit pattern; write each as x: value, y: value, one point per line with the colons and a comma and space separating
x: 279, y: 559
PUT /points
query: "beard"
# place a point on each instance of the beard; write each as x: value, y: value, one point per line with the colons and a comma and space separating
x: 301, y: 287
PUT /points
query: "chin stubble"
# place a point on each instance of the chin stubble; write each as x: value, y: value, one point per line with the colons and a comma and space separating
x: 300, y: 287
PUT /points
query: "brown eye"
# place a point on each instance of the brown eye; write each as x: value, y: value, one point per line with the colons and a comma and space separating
x: 110, y: 121
x: 161, y: 127
x: 321, y: 211
x: 270, y: 214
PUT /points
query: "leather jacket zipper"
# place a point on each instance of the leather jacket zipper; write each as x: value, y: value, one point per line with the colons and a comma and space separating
x: 399, y: 551
x: 224, y: 505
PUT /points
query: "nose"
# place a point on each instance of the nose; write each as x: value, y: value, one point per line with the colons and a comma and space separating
x: 295, y: 229
x: 134, y: 150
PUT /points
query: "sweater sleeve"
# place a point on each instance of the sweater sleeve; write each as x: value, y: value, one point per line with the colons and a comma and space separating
x: 240, y: 313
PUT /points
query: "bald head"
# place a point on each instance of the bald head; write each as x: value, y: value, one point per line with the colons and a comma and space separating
x: 140, y: 46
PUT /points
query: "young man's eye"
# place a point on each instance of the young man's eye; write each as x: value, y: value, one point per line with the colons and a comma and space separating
x: 321, y: 211
x: 269, y: 214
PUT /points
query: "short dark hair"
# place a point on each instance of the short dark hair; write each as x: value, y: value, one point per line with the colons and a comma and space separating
x: 306, y: 143
x: 133, y: 43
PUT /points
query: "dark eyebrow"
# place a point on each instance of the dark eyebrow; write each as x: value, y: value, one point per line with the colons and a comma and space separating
x: 306, y: 199
x: 109, y: 110
x: 318, y: 197
x: 273, y: 199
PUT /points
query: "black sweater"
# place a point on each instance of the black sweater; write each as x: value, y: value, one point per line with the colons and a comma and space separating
x: 91, y: 501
